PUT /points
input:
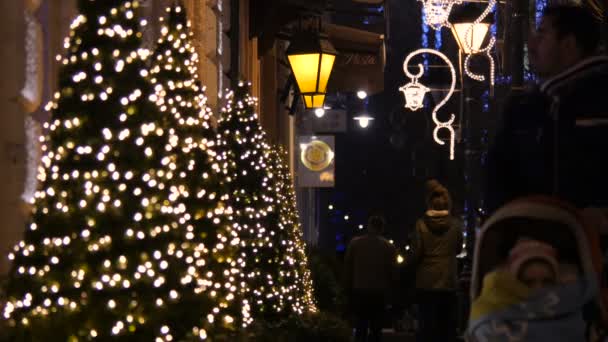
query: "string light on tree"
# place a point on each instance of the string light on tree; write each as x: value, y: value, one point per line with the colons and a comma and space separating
x: 256, y: 188
x: 438, y: 124
x: 110, y: 252
x: 194, y: 180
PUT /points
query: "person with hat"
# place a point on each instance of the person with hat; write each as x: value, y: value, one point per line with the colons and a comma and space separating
x: 437, y: 240
x: 534, y: 263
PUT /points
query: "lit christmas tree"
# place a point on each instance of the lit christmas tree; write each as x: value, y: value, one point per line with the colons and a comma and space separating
x: 255, y: 184
x: 194, y: 178
x: 106, y: 255
x: 294, y: 264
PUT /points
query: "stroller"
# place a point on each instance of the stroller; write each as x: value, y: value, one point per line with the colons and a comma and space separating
x: 555, y: 313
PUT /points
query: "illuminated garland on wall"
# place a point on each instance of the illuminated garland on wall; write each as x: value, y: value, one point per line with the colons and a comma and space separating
x: 414, y: 93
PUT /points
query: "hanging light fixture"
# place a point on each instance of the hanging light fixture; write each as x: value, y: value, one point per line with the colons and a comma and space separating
x: 364, y: 120
x: 311, y: 58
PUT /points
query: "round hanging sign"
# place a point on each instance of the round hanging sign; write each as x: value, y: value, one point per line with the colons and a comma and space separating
x: 316, y: 155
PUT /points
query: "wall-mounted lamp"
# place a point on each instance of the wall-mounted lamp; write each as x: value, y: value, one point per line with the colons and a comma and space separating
x: 311, y: 58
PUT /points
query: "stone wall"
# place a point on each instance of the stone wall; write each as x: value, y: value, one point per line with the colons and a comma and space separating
x: 12, y: 66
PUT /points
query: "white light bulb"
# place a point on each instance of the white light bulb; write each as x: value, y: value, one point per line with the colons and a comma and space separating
x: 319, y: 112
x: 361, y: 94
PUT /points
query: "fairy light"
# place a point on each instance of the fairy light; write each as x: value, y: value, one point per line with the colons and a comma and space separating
x: 263, y: 201
x: 437, y: 12
x: 97, y: 212
x: 438, y: 124
x: 487, y: 51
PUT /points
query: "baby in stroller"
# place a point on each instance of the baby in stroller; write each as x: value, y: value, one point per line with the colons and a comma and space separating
x: 534, y: 276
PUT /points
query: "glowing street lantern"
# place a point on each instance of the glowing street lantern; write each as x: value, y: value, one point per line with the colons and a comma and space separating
x: 311, y: 58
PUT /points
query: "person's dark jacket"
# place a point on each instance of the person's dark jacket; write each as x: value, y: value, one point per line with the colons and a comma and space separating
x: 553, y: 140
x: 437, y: 240
x: 370, y: 264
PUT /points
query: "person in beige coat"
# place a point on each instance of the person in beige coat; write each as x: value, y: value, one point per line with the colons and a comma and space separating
x: 437, y: 240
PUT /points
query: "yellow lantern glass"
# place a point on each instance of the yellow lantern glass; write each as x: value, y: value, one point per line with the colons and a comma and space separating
x: 476, y: 35
x: 314, y: 101
x: 311, y: 58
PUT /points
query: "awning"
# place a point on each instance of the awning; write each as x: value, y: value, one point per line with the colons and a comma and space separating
x: 360, y: 62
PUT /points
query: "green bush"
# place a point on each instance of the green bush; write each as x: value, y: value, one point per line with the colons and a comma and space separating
x: 318, y: 327
x: 326, y: 271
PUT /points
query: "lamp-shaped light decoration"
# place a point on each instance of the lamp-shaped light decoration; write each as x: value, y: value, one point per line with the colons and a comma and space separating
x: 311, y: 58
x: 364, y: 120
x: 437, y: 12
x: 414, y: 93
x: 470, y: 35
x: 438, y: 124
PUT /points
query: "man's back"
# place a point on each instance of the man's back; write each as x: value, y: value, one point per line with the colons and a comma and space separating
x: 553, y: 141
x: 371, y: 261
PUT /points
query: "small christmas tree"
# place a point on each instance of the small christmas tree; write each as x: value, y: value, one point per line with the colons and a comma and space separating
x: 195, y: 178
x: 296, y: 273
x: 255, y: 186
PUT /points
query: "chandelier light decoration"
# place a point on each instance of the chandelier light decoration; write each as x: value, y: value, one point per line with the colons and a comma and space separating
x: 412, y: 100
x: 438, y: 11
x: 471, y: 50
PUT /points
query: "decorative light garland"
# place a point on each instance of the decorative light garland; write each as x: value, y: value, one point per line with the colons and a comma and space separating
x: 416, y: 100
x: 438, y: 12
x: 487, y: 50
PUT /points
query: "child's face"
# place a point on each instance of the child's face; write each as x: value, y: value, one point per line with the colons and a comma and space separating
x: 537, y: 274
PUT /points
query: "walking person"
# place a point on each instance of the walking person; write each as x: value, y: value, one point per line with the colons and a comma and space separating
x: 370, y: 269
x: 437, y: 240
x: 552, y: 139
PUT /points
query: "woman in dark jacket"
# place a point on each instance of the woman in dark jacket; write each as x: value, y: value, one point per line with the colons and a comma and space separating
x: 437, y: 240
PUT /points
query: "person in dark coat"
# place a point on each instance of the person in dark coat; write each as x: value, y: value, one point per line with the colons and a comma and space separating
x: 437, y: 240
x: 370, y: 270
x: 552, y: 139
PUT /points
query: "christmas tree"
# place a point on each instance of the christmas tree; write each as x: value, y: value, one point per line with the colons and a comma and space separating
x: 106, y: 255
x: 297, y: 280
x: 195, y: 177
x: 255, y: 187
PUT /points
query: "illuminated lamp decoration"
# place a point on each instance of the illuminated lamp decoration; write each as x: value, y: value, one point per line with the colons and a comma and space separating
x: 414, y: 93
x: 438, y: 12
x: 311, y: 58
x: 470, y: 37
x: 439, y: 124
x: 316, y: 155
